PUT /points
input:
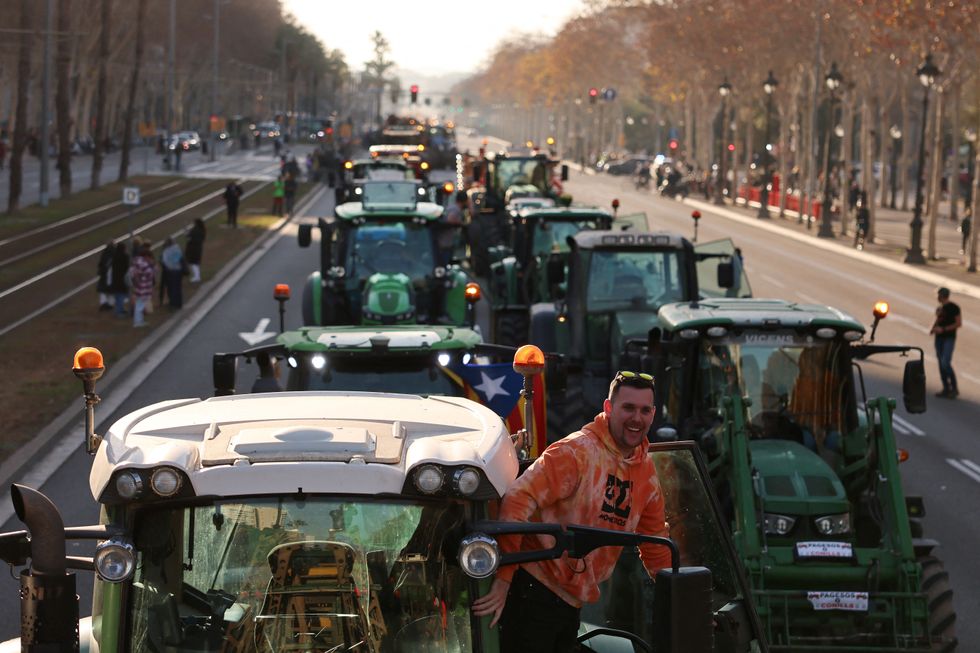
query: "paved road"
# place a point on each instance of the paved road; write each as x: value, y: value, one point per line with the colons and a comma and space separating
x: 943, y: 442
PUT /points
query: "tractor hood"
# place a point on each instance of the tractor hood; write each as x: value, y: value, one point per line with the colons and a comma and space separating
x: 796, y: 481
x: 388, y: 299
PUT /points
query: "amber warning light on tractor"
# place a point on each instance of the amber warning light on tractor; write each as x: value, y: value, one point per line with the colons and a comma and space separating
x: 880, y: 310
x: 88, y: 358
x: 350, y: 164
x: 281, y: 291
x: 448, y: 187
x: 473, y: 292
x: 528, y: 360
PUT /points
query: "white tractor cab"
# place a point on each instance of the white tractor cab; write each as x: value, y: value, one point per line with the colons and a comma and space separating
x: 331, y: 521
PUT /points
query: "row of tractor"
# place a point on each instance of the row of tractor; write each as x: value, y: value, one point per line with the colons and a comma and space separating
x: 339, y: 516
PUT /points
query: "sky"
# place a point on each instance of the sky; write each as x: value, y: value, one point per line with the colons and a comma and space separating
x: 432, y: 36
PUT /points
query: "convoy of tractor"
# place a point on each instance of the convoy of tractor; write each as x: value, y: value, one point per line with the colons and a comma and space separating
x: 341, y: 515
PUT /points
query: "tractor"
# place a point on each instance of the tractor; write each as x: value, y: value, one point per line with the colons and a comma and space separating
x: 380, y: 265
x: 340, y: 521
x: 807, y: 468
x: 616, y: 281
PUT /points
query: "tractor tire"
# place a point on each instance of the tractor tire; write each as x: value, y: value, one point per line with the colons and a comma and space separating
x: 510, y: 328
x: 308, y: 290
x: 565, y: 413
x: 939, y: 594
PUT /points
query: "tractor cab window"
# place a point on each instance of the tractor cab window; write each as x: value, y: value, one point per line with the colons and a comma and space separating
x: 420, y: 375
x: 626, y: 599
x: 513, y: 172
x: 390, y: 248
x: 798, y: 386
x: 311, y: 574
x: 633, y: 280
x: 551, y: 235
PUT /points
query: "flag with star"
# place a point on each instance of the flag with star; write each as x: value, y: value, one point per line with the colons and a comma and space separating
x: 498, y: 387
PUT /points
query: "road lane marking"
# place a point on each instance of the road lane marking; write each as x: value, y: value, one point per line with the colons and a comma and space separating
x: 807, y: 298
x: 914, y: 324
x: 773, y: 281
x: 968, y: 467
x: 898, y: 427
x: 908, y: 426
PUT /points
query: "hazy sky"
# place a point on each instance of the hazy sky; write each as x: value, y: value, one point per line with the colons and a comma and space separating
x: 430, y: 36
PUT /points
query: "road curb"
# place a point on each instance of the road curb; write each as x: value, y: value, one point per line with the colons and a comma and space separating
x: 130, y: 370
x: 933, y: 278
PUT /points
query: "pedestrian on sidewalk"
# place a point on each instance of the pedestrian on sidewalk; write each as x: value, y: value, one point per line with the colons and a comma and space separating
x: 289, y: 186
x: 194, y: 250
x: 863, y: 220
x: 142, y: 276
x: 104, y: 285
x: 119, y: 280
x: 948, y: 320
x: 172, y: 265
x: 966, y: 225
x: 232, y: 197
x: 278, y: 193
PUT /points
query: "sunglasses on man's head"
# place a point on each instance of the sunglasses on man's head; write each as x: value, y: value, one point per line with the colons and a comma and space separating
x: 643, y: 376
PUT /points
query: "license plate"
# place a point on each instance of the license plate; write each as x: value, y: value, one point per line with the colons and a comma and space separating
x: 849, y: 601
x: 824, y: 550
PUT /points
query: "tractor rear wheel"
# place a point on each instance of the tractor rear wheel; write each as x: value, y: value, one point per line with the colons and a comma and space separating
x: 510, y: 328
x: 565, y: 413
x: 939, y: 594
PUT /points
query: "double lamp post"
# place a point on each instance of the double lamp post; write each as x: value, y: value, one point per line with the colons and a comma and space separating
x: 928, y: 72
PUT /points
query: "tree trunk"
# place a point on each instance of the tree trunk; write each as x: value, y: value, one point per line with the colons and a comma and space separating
x: 884, y: 156
x: 783, y: 157
x: 867, y: 170
x: 61, y: 97
x: 954, y: 177
x: 972, y: 266
x: 134, y: 77
x: 935, y: 191
x: 20, y: 116
x: 100, y: 100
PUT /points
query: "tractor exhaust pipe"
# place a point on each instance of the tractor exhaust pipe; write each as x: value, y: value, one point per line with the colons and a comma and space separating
x: 49, y: 602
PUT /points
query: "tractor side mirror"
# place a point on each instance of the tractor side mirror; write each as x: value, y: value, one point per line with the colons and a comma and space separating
x: 726, y: 274
x: 305, y: 235
x: 564, y: 172
x: 914, y: 387
x: 224, y: 369
x: 556, y: 270
x: 682, y: 616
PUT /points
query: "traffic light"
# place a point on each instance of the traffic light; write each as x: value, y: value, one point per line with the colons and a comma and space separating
x: 672, y: 144
x: 593, y: 95
x: 415, y: 93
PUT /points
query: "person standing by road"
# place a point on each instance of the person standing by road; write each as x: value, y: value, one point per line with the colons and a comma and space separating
x: 948, y: 321
x: 172, y: 265
x: 103, y: 285
x: 194, y: 249
x: 289, y: 186
x: 600, y: 476
x: 232, y: 196
x: 142, y: 275
x: 119, y: 285
x: 278, y: 193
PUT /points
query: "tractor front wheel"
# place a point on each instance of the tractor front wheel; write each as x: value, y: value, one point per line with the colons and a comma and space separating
x: 510, y: 328
x: 939, y: 593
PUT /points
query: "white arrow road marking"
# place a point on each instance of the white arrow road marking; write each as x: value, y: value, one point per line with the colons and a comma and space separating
x: 773, y: 281
x: 968, y: 467
x: 907, y: 426
x: 255, y: 337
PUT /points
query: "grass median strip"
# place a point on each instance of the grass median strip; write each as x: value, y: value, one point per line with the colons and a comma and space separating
x: 37, y: 356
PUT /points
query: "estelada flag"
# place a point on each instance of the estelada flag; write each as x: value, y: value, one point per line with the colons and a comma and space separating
x: 498, y: 387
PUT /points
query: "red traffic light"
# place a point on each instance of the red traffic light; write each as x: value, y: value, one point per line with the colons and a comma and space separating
x: 731, y: 147
x: 673, y: 144
x: 415, y: 88
x: 593, y: 94
x: 696, y: 215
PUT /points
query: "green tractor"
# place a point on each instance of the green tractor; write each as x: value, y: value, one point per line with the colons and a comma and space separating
x: 531, y: 268
x: 380, y: 264
x: 502, y: 178
x: 807, y: 469
x: 616, y: 282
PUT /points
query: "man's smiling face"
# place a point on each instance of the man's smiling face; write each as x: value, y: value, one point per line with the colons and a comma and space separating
x: 630, y: 416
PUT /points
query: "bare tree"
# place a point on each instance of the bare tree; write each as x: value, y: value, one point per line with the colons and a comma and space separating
x: 61, y: 97
x: 20, y: 113
x: 100, y: 101
x: 134, y: 77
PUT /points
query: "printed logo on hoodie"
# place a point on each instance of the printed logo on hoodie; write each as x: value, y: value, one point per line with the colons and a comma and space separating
x: 617, y: 503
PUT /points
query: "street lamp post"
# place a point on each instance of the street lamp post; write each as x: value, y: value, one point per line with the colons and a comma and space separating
x: 927, y: 73
x: 723, y: 89
x: 833, y: 81
x: 769, y: 86
x: 896, y: 135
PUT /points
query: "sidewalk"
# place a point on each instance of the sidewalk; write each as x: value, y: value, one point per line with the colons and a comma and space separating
x: 892, y: 239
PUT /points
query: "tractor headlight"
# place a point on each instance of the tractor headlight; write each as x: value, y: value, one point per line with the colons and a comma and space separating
x: 318, y: 361
x: 444, y: 359
x: 165, y: 481
x: 778, y: 524
x: 439, y: 272
x: 428, y: 479
x: 466, y: 481
x: 833, y: 524
x: 129, y: 485
x: 478, y: 556
x: 114, y: 560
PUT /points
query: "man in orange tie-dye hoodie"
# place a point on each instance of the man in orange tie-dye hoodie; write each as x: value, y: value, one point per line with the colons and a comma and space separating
x: 600, y: 476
